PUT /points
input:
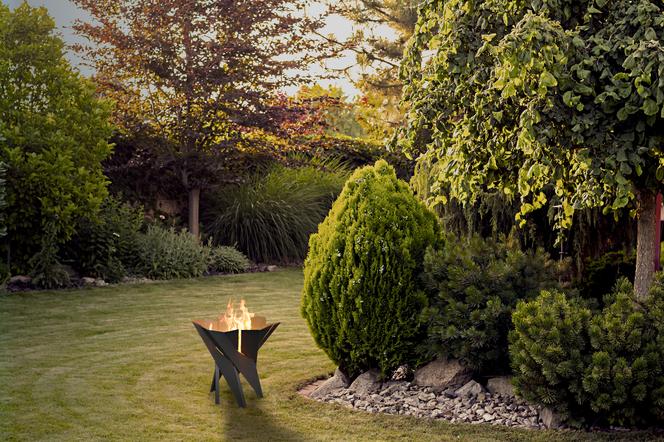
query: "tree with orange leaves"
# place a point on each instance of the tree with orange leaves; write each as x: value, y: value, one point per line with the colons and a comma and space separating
x: 197, y: 73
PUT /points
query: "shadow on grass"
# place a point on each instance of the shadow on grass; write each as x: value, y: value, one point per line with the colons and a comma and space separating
x: 255, y: 422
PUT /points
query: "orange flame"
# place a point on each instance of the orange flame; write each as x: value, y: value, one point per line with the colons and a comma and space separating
x: 236, y: 319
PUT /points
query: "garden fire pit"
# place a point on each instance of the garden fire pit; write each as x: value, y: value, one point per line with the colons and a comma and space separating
x: 233, y: 341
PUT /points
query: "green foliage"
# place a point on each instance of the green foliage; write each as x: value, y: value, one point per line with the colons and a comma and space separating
x: 45, y: 268
x: 362, y: 298
x: 4, y: 266
x: 625, y: 376
x: 271, y: 217
x: 355, y: 152
x: 600, y: 275
x: 338, y: 116
x: 54, y: 132
x: 549, y: 351
x: 475, y: 285
x: 609, y: 368
x: 3, y: 199
x: 526, y: 97
x: 169, y: 254
x: 107, y: 246
x: 227, y: 260
x: 378, y: 55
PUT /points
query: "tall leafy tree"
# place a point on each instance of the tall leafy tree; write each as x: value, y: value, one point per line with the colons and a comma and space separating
x: 196, y: 73
x: 53, y: 135
x: 549, y: 102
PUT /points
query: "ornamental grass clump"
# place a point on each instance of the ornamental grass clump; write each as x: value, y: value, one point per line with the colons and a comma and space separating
x: 362, y: 297
x: 270, y: 217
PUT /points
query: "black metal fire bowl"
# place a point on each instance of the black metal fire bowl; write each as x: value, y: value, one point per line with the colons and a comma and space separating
x: 229, y: 362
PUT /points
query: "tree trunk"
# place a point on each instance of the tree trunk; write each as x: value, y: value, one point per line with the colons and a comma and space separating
x: 194, y: 205
x: 646, y: 246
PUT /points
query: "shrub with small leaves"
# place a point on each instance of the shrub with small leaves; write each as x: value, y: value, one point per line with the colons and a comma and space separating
x: 362, y: 297
x: 549, y: 351
x: 169, y: 254
x: 475, y: 285
x: 107, y: 246
x: 46, y: 270
x: 227, y: 260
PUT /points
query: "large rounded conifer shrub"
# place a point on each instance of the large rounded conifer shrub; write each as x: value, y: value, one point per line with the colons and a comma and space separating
x: 362, y: 296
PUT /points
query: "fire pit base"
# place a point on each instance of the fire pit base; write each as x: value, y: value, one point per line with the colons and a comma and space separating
x: 231, y: 361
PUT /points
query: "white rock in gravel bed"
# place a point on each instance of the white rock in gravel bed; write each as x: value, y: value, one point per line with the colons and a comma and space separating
x: 500, y: 385
x: 337, y: 382
x: 550, y: 419
x: 470, y: 389
x: 442, y: 374
x: 474, y: 405
x: 366, y: 383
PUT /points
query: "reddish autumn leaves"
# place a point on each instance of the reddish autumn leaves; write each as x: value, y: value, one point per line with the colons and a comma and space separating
x: 197, y: 72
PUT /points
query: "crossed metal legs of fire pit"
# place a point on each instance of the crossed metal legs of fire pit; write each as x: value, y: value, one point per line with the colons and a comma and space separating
x: 229, y: 362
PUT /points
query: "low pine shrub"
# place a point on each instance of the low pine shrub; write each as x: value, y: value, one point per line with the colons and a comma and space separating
x: 549, y: 352
x: 362, y: 297
x: 600, y: 275
x: 474, y: 286
x: 227, y: 260
x: 608, y: 369
x: 626, y: 366
x: 170, y: 254
x: 271, y: 217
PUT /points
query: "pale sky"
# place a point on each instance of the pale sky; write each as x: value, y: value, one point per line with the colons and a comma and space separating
x: 65, y: 13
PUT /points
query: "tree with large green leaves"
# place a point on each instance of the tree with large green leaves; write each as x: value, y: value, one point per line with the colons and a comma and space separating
x: 53, y: 135
x: 197, y: 74
x: 550, y: 102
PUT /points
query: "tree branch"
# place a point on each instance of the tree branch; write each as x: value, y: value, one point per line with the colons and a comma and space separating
x: 360, y: 51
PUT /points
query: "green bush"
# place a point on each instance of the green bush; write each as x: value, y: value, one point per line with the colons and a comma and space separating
x: 169, y: 254
x: 4, y: 266
x: 107, y: 247
x: 608, y: 369
x: 271, y: 217
x: 3, y: 199
x: 362, y: 298
x: 600, y: 275
x: 227, y: 260
x: 626, y: 367
x: 355, y: 152
x: 54, y: 131
x: 475, y: 285
x: 549, y: 348
x: 46, y: 270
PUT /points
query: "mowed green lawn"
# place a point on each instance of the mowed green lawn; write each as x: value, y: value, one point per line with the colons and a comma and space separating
x: 125, y: 363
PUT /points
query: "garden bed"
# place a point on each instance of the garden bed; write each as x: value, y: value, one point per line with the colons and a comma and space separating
x: 406, y: 398
x: 470, y: 404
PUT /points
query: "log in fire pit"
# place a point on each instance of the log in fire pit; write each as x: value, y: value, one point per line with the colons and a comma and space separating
x: 233, y: 341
